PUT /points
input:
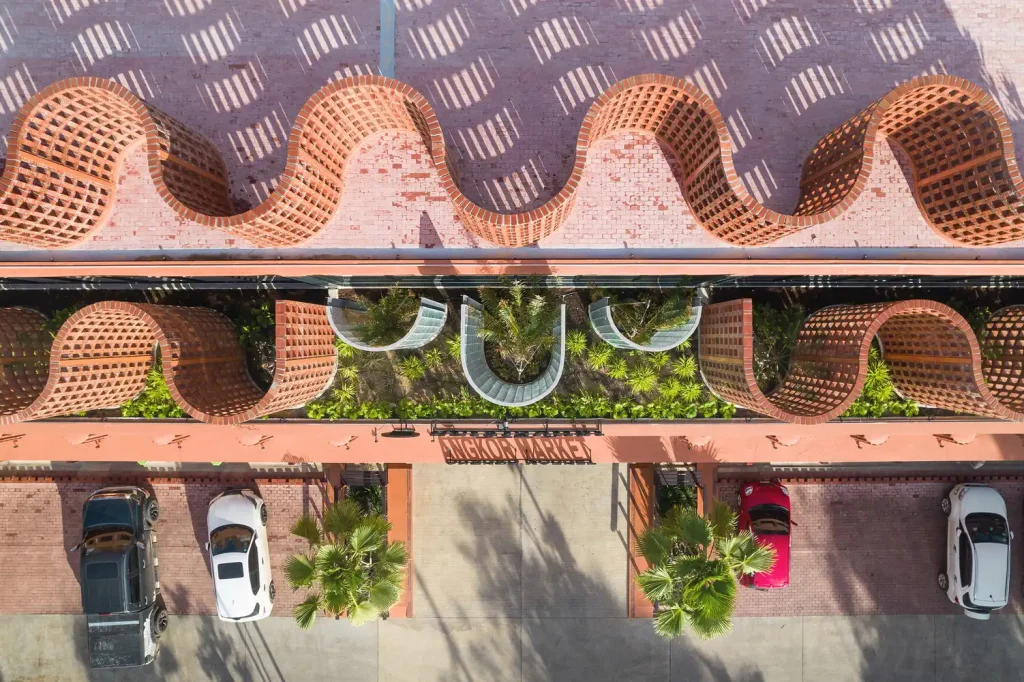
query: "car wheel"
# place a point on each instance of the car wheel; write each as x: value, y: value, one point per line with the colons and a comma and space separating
x: 160, y: 622
x: 263, y: 514
x: 943, y: 582
x: 946, y: 505
x: 152, y: 511
x: 272, y: 592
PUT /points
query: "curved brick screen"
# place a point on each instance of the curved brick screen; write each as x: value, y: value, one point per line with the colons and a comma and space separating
x: 933, y: 357
x: 68, y: 140
x: 102, y: 354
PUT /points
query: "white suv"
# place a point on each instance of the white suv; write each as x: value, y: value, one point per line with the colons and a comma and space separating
x: 977, y: 575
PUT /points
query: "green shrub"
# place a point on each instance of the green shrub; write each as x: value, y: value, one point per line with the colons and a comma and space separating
x: 576, y: 343
x: 618, y: 369
x: 453, y: 345
x: 685, y: 367
x: 658, y: 360
x: 642, y: 379
x: 434, y: 359
x: 53, y: 325
x: 412, y: 368
x: 155, y: 401
x: 775, y: 333
x: 387, y: 319
x: 599, y: 355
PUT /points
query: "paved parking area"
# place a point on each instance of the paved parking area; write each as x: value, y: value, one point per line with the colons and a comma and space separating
x: 870, y: 548
x: 40, y: 521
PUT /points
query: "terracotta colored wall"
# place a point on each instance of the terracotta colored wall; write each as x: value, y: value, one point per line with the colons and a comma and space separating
x: 933, y: 356
x: 68, y: 141
x: 104, y: 352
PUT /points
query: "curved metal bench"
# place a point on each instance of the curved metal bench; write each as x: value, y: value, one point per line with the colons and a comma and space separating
x: 428, y: 324
x: 488, y: 384
x: 604, y: 326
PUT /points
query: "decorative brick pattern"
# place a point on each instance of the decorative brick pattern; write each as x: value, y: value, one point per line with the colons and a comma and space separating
x: 933, y: 356
x: 68, y: 141
x: 103, y: 353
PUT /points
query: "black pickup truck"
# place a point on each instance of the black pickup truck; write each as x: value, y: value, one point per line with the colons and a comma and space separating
x: 120, y: 585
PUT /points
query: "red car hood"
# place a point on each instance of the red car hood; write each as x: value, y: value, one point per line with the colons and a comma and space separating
x: 779, y: 575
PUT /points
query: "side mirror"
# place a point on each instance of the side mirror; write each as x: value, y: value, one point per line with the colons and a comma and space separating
x: 140, y: 544
x: 207, y: 546
x: 76, y: 548
x: 1011, y: 534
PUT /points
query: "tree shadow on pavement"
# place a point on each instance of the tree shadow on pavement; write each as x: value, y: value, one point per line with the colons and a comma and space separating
x: 542, y: 573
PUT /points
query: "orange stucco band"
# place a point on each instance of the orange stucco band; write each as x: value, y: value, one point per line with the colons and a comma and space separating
x: 730, y: 441
x: 975, y: 267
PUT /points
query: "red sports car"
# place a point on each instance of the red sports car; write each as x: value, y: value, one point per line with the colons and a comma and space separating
x: 764, y: 509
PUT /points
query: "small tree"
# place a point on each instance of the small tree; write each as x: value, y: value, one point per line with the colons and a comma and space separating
x: 350, y: 570
x: 695, y: 562
x: 387, y: 319
x: 639, y: 320
x: 518, y: 325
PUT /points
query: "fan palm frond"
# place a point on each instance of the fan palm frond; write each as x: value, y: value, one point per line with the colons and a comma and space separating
x: 300, y: 570
x: 670, y: 622
x: 362, y: 613
x: 307, y: 528
x: 654, y: 546
x: 722, y: 519
x: 745, y: 555
x: 341, y: 517
x: 656, y: 583
x: 305, y: 612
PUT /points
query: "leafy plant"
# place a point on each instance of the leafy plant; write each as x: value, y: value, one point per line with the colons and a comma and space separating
x: 618, y: 369
x: 775, y: 333
x: 155, y: 401
x: 370, y: 498
x: 639, y: 320
x: 658, y: 360
x: 412, y: 368
x: 576, y: 343
x: 518, y: 325
x: 879, y: 396
x: 350, y: 570
x: 694, y: 565
x: 345, y: 351
x: 387, y: 319
x: 53, y: 325
x: 685, y: 367
x: 642, y: 379
x: 434, y: 359
x: 691, y: 391
x: 599, y: 355
x: 453, y: 345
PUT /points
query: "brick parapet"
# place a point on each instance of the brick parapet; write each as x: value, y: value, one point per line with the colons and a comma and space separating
x: 102, y: 355
x: 933, y: 356
x: 56, y: 190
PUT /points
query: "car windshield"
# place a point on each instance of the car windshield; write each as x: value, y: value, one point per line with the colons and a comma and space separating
x: 228, y: 539
x: 769, y: 519
x: 107, y: 541
x: 104, y: 512
x: 230, y: 571
x: 987, y: 528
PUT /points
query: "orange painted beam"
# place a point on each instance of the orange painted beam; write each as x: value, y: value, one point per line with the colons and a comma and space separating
x: 641, y: 517
x: 399, y: 497
x: 489, y: 264
x: 708, y: 472
x: 298, y: 442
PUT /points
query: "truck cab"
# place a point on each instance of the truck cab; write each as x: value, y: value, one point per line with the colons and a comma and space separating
x: 120, y: 584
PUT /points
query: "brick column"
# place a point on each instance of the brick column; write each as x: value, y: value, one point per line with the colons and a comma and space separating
x: 399, y: 497
x: 641, y: 517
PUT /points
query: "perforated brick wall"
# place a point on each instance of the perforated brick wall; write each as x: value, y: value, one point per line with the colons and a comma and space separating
x: 933, y: 356
x: 103, y: 353
x: 68, y: 141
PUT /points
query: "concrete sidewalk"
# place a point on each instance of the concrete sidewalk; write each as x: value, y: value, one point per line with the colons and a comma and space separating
x: 802, y: 649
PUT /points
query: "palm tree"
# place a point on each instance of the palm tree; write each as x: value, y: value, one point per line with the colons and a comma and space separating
x: 387, y: 319
x: 518, y: 325
x: 351, y: 569
x: 639, y: 320
x: 694, y: 563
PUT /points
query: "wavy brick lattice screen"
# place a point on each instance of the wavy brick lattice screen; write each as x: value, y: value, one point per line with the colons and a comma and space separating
x: 67, y: 143
x: 933, y: 357
x: 103, y: 353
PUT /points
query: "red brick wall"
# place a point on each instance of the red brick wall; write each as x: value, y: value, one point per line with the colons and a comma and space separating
x: 103, y: 353
x: 54, y: 193
x: 933, y: 356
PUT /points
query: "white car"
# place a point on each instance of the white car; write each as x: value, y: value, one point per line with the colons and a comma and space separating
x: 977, y: 575
x: 240, y: 556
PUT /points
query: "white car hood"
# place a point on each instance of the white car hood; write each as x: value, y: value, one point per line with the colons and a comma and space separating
x: 990, y: 587
x: 234, y: 597
x: 979, y: 500
x: 232, y: 509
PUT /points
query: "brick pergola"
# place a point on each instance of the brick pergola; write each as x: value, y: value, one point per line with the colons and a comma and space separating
x: 68, y: 141
x: 102, y: 354
x: 933, y: 356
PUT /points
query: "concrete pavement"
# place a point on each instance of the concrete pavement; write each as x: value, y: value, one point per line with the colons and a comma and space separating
x: 798, y: 649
